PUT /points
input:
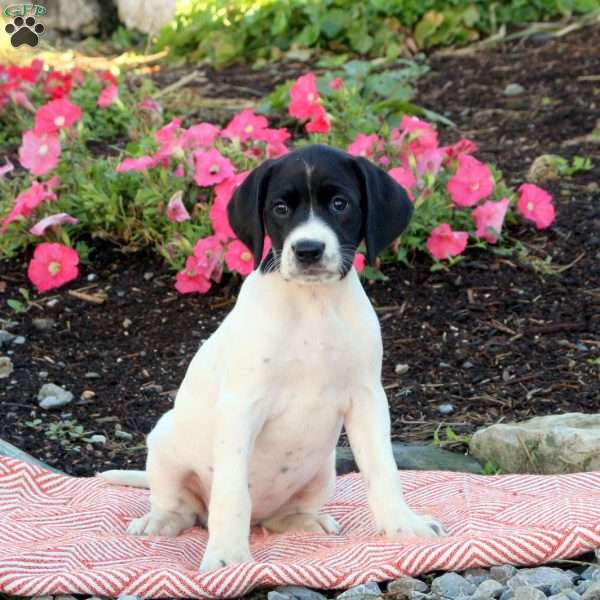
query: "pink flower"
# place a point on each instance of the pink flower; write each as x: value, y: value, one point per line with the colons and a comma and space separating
x: 239, y: 259
x: 56, y: 115
x: 151, y: 106
x: 27, y: 201
x: 39, y: 152
x: 52, y: 221
x: 212, y: 167
x: 179, y: 171
x: 419, y: 135
x: 52, y: 265
x: 275, y: 139
x: 359, y: 262
x: 336, y: 83
x: 304, y: 95
x: 209, y: 252
x: 7, y: 168
x: 191, y: 278
x: 176, y: 210
x: 443, y: 242
x: 108, y: 95
x: 384, y: 160
x: 20, y: 99
x: 244, y: 126
x: 472, y: 181
x: 405, y: 178
x: 535, y: 204
x: 202, y: 134
x: 169, y: 132
x: 430, y: 161
x: 363, y: 145
x: 488, y: 219
x: 218, y: 211
x: 137, y: 164
x: 319, y: 120
x: 463, y: 146
x: 57, y: 84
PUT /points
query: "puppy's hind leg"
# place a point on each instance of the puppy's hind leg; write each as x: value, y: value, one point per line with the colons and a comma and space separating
x: 302, y: 511
x: 172, y: 507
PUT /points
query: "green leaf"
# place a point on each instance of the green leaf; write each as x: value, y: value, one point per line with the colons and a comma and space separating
x: 17, y: 306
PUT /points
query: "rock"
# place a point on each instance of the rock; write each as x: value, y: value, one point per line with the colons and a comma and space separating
x: 540, y: 578
x: 513, y: 89
x: 146, y: 15
x: 53, y: 396
x: 275, y: 595
x: 127, y: 323
x: 528, y: 593
x: 592, y: 592
x: 123, y: 435
x: 446, y: 409
x: 415, y: 457
x: 87, y: 395
x: 502, y: 573
x: 591, y: 573
x: 296, y: 592
x: 488, y: 589
x: 361, y: 592
x: 545, y: 168
x: 81, y: 16
x: 91, y: 375
x: 468, y: 364
x: 43, y: 324
x: 97, y: 439
x: 6, y: 367
x: 5, y: 338
x: 92, y: 277
x: 452, y: 585
x: 19, y: 340
x: 566, y: 595
x: 404, y: 585
x: 507, y: 595
x: 148, y: 275
x: 400, y: 369
x: 566, y: 443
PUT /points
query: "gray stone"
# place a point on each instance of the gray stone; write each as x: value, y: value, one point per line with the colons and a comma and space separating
x: 507, y: 595
x: 583, y: 586
x: 6, y: 367
x: 52, y: 302
x: 401, y: 369
x: 554, y: 444
x: 82, y: 16
x: 452, y: 585
x: 592, y: 592
x: 19, y: 340
x: 566, y: 595
x: 296, y: 592
x: 5, y: 338
x: 528, y: 593
x: 513, y: 89
x: 123, y: 435
x: 488, y: 589
x: 148, y: 15
x: 128, y: 597
x: 415, y: 457
x: 502, y: 573
x: 53, y: 396
x: 43, y: 324
x: 407, y: 584
x: 361, y: 592
x: 592, y: 573
x: 446, y: 409
x: 275, y: 595
x: 541, y: 578
x: 91, y: 375
x: 97, y: 439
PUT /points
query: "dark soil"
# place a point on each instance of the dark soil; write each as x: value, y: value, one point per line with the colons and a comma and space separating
x: 500, y: 338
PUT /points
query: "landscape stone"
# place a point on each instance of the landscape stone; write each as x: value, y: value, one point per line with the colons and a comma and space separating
x: 566, y: 595
x: 401, y: 369
x: 452, y: 585
x: 148, y: 16
x: 361, y: 592
x: 43, y: 324
x: 592, y: 573
x: 81, y: 16
x: 592, y: 592
x: 541, y: 578
x: 513, y: 89
x: 553, y: 444
x: 6, y: 367
x: 446, y: 409
x: 415, y: 457
x: 53, y: 396
x: 406, y: 585
x: 502, y: 573
x: 19, y: 340
x: 488, y: 589
x: 528, y: 593
x: 275, y: 595
x: 507, y: 595
x: 97, y: 438
x: 5, y: 337
x: 296, y: 592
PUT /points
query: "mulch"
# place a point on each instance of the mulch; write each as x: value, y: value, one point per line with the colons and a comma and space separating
x: 498, y: 337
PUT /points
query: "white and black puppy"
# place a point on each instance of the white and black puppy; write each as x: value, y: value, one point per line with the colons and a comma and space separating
x: 252, y: 436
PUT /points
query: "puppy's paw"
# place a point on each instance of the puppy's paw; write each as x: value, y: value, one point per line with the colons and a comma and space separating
x: 165, y: 524
x: 217, y: 558
x: 412, y: 524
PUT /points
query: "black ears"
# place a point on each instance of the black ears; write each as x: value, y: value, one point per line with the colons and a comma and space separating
x: 386, y: 207
x: 245, y: 210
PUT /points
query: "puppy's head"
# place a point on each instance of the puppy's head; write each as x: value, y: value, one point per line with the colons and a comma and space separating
x: 317, y: 204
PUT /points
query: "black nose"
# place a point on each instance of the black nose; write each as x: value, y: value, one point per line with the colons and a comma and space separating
x: 308, y: 252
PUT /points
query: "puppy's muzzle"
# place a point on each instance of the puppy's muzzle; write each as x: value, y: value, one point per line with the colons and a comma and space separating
x: 308, y: 252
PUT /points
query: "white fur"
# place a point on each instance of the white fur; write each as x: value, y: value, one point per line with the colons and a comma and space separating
x: 252, y: 435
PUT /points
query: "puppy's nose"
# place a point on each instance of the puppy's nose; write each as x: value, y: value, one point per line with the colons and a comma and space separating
x: 308, y: 252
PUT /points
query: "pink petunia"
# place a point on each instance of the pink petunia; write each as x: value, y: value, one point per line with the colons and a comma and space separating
x: 430, y: 161
x: 151, y: 106
x: 489, y: 218
x: 8, y: 167
x: 53, y: 221
x: 304, y: 95
x: 244, y: 126
x: 318, y: 120
x: 472, y: 181
x: 39, y: 152
x: 140, y: 163
x: 443, y: 242
x: 52, y: 266
x: 210, y: 251
x: 57, y: 84
x: 359, y: 262
x: 211, y: 167
x: 363, y: 145
x: 27, y: 201
x: 336, y: 83
x: 168, y: 132
x: 191, y: 279
x: 417, y: 135
x: 56, y: 115
x: 176, y: 210
x: 405, y: 178
x: 535, y: 204
x: 179, y: 171
x: 218, y: 211
x: 109, y: 95
x: 463, y: 146
x: 239, y: 259
x: 200, y: 135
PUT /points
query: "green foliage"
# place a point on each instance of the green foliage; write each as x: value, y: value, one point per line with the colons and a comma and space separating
x: 491, y: 468
x: 226, y: 32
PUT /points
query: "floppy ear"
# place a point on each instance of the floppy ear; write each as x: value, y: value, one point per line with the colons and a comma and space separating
x: 245, y: 210
x: 386, y: 207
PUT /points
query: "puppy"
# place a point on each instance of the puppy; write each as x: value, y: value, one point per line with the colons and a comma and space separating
x: 252, y: 435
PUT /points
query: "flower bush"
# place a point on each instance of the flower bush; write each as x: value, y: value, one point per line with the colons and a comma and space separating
x: 168, y: 185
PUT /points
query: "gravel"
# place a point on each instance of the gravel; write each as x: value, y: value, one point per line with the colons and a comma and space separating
x: 53, y: 396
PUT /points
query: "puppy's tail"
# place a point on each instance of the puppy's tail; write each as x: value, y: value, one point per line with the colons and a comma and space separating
x: 137, y: 479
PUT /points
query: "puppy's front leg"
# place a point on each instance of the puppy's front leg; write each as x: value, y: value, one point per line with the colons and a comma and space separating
x: 368, y: 427
x: 229, y: 508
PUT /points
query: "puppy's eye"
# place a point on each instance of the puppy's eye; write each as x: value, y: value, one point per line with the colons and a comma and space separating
x: 339, y: 204
x: 281, y: 209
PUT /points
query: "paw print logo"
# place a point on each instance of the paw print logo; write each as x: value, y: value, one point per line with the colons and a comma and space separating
x: 24, y: 31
